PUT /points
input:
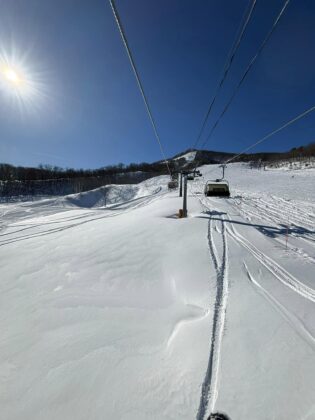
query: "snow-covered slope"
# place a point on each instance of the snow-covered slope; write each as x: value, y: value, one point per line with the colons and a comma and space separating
x: 291, y: 164
x: 189, y: 156
x: 111, y: 194
x: 126, y: 312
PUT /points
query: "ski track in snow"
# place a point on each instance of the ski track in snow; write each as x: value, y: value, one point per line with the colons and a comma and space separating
x: 222, y: 235
x: 278, y: 272
x: 293, y: 321
x: 295, y: 235
x: 209, y: 390
x: 300, y: 224
x: 125, y: 208
x: 294, y: 232
x: 263, y: 210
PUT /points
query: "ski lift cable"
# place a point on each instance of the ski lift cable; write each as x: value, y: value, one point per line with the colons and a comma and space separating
x: 227, y: 67
x: 288, y: 123
x: 249, y: 67
x: 136, y: 73
x: 293, y: 120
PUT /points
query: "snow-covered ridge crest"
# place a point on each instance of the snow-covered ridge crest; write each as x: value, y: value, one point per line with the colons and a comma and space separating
x: 189, y: 157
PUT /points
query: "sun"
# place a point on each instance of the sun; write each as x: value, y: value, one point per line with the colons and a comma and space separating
x: 20, y: 84
x: 13, y: 76
x: 15, y: 80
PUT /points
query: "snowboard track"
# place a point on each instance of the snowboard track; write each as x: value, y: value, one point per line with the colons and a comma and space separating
x: 209, y: 389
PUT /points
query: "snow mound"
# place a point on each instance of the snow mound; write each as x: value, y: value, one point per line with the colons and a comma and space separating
x: 113, y: 194
x: 100, y: 197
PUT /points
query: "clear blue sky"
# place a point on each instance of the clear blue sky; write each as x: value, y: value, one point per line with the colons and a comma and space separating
x: 91, y: 114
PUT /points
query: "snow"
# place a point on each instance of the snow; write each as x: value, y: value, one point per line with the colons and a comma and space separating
x: 189, y: 156
x: 119, y: 310
x: 110, y: 194
x: 293, y: 164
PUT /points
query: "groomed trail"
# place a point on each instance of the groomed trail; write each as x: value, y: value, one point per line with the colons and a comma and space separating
x: 112, y: 307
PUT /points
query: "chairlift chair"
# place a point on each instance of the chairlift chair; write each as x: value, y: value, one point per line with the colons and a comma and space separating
x: 172, y: 185
x: 217, y: 188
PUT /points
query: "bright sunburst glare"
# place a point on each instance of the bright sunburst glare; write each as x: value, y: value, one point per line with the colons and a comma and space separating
x: 18, y: 82
x: 12, y: 76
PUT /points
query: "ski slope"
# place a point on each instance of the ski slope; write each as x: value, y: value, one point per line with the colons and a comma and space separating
x: 189, y: 156
x: 115, y: 309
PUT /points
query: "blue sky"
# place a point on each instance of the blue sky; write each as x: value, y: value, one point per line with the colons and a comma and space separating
x: 89, y: 112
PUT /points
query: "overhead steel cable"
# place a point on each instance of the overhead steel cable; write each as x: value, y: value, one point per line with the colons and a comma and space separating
x: 293, y: 120
x: 136, y: 73
x: 226, y: 69
x: 248, y: 68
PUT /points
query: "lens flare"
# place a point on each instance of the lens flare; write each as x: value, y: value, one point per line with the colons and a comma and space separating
x: 18, y: 82
x: 12, y: 76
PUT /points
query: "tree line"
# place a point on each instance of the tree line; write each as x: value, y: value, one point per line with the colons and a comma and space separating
x: 44, y: 172
x: 47, y: 180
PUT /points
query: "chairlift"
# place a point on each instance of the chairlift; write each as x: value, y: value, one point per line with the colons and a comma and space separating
x: 192, y: 175
x: 217, y: 188
x: 172, y: 185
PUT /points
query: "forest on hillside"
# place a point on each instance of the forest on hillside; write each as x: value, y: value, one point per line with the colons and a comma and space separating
x: 47, y: 180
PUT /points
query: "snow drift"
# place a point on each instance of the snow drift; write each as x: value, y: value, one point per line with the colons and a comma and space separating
x: 124, y: 311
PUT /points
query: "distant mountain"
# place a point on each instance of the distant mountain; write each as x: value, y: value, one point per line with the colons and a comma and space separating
x: 48, y: 180
x: 201, y: 157
x: 192, y: 157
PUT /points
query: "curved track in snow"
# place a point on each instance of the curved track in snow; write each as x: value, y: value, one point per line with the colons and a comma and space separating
x: 73, y: 222
x: 209, y: 391
x: 293, y: 321
x: 278, y: 272
x: 297, y: 219
x: 302, y: 228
